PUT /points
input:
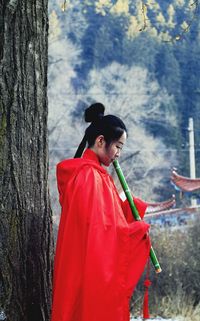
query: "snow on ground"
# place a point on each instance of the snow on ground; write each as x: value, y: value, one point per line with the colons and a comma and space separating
x: 156, y: 319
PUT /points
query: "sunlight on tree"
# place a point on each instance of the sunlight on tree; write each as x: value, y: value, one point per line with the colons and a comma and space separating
x: 164, y: 36
x: 54, y: 26
x: 133, y: 27
x: 144, y: 16
x: 191, y: 3
x: 179, y: 3
x: 66, y: 4
x: 171, y: 13
x: 88, y: 2
x: 153, y: 5
x: 153, y: 32
x: 102, y: 6
x: 184, y: 25
x: 160, y: 19
x: 121, y: 7
x: 170, y: 30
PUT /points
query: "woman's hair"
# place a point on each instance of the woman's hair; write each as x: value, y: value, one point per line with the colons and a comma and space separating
x: 110, y: 126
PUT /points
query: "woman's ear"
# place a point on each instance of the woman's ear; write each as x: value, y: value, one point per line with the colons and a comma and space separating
x: 100, y: 141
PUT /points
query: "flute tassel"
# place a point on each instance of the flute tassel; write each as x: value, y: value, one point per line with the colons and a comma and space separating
x: 147, y: 284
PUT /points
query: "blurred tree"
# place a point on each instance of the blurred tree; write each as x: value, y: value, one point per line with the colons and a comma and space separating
x: 26, y: 245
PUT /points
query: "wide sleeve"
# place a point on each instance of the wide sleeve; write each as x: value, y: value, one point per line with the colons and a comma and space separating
x: 140, y: 205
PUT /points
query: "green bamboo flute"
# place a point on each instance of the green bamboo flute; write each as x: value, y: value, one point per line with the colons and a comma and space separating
x: 134, y: 210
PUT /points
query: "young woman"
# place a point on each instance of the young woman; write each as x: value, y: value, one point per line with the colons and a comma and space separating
x: 101, y: 251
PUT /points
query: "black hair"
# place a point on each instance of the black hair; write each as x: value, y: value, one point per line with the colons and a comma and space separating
x: 110, y: 126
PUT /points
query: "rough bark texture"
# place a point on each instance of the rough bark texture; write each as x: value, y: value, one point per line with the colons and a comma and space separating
x: 25, y: 216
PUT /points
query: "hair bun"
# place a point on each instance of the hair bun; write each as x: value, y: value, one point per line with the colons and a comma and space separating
x: 94, y: 112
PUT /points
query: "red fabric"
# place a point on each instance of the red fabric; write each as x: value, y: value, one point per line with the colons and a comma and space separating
x: 99, y: 255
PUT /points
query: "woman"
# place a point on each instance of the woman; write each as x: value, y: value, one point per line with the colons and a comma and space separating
x: 101, y: 251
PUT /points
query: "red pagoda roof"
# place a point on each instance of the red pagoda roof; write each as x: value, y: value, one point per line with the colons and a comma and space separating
x: 185, y: 183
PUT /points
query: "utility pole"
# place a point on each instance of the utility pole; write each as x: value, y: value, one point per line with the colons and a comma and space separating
x: 192, y: 155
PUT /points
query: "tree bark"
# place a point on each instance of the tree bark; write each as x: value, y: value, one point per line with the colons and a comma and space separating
x: 26, y: 246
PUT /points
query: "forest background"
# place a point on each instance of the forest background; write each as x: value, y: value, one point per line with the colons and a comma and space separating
x: 140, y: 59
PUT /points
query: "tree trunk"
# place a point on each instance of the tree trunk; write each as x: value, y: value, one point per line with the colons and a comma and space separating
x: 25, y: 216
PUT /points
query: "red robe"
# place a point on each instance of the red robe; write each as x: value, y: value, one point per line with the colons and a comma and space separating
x: 101, y: 251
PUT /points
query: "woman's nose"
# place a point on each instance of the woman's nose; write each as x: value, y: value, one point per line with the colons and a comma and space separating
x: 117, y: 154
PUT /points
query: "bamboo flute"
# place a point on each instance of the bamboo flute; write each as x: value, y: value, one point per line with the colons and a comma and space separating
x: 134, y: 210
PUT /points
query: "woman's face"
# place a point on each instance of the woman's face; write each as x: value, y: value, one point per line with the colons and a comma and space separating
x: 107, y: 154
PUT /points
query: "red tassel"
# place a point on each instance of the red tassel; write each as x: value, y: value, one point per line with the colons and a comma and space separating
x: 147, y: 284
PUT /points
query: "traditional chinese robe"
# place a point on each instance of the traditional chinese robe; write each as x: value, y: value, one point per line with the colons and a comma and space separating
x: 101, y: 251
